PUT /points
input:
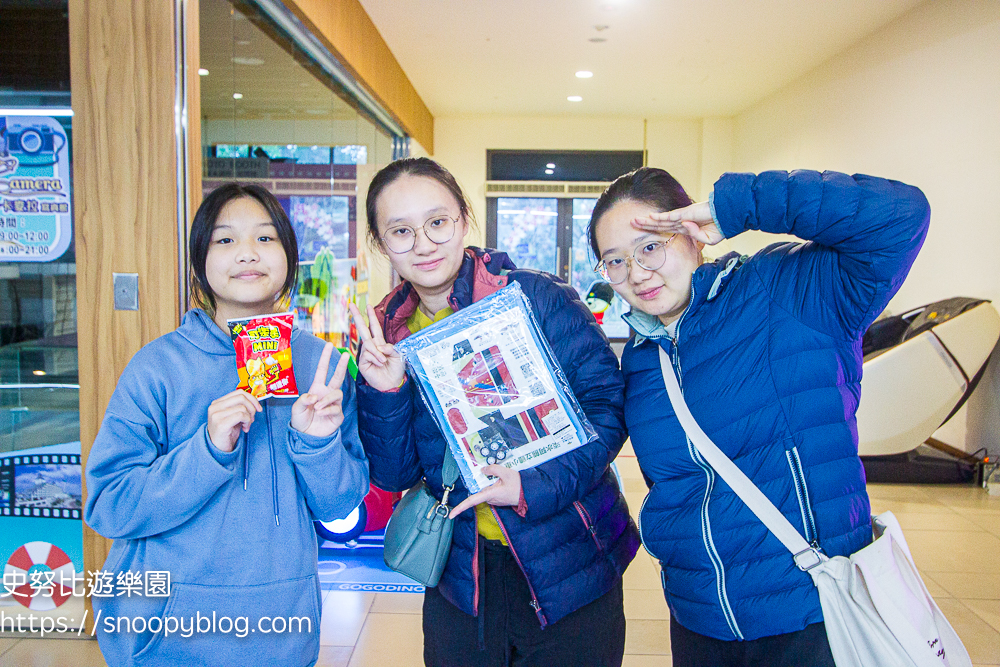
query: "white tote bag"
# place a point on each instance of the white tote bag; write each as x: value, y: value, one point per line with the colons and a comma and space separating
x: 876, y: 608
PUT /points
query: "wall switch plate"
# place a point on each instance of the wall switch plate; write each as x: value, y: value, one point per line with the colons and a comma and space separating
x: 126, y: 291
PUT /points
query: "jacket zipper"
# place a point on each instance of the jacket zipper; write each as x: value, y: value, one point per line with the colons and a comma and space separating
x: 475, y: 570
x: 802, y: 493
x: 534, y: 598
x: 585, y: 516
x: 706, y: 525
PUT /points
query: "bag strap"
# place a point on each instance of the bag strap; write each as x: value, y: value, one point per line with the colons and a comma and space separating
x: 449, y: 469
x: 806, y: 557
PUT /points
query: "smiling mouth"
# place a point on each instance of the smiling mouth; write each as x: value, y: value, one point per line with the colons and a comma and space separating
x: 429, y: 266
x: 649, y: 294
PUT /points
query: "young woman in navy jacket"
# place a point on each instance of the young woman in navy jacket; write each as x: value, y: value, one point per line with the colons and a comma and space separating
x: 768, y: 353
x: 534, y: 573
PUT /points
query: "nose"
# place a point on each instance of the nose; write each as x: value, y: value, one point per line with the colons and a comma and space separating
x: 636, y: 273
x: 422, y: 245
x: 247, y: 252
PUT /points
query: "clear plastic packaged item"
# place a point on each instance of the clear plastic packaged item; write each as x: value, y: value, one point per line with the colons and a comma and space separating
x: 264, y: 354
x: 489, y: 377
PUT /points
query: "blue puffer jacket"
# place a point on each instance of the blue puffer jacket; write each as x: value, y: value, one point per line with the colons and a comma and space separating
x: 769, y: 357
x: 576, y: 537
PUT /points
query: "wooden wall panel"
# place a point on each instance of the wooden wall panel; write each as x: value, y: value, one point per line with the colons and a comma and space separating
x: 346, y: 29
x: 125, y: 192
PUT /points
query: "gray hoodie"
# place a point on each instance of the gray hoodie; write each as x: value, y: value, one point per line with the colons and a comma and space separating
x: 233, y: 530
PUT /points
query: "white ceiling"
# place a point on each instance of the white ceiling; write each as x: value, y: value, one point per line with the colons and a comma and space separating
x: 689, y: 58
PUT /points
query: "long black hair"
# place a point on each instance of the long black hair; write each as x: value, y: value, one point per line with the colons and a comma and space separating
x: 204, y: 223
x: 647, y: 185
x: 411, y: 166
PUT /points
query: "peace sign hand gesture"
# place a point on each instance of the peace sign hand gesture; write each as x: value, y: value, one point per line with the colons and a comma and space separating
x: 320, y: 412
x: 695, y: 221
x: 380, y: 364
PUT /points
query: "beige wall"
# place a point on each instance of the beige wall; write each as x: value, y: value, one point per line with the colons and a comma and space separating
x: 918, y: 101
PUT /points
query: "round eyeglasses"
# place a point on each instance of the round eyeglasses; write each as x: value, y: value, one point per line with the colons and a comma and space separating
x: 439, y: 229
x: 650, y: 256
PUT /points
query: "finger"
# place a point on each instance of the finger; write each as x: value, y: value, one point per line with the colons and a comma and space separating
x: 359, y: 324
x: 335, y: 396
x: 471, y: 501
x: 238, y: 397
x: 368, y: 358
x: 323, y: 367
x: 497, y: 470
x: 377, y: 334
x: 340, y: 372
x: 235, y: 416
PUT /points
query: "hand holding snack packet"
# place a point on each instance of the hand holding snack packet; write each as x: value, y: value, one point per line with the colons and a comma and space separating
x: 230, y: 414
x: 320, y: 411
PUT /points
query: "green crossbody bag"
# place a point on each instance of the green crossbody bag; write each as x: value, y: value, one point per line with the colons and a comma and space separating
x: 418, y: 536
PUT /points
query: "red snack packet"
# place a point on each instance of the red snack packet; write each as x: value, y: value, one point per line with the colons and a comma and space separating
x: 264, y: 354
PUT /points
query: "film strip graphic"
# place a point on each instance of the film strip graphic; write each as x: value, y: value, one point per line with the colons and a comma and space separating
x: 45, y: 486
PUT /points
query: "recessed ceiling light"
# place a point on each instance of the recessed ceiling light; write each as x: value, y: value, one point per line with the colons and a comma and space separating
x: 38, y: 372
x: 584, y: 74
x: 202, y: 72
x: 237, y: 96
x: 574, y: 98
x: 548, y: 171
x: 239, y: 60
x: 550, y: 165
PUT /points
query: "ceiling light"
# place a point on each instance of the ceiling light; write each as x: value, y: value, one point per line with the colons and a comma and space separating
x: 239, y: 60
x: 597, y: 40
x: 202, y: 72
x: 291, y: 147
x: 315, y: 148
x: 574, y: 98
x: 38, y: 372
x: 549, y: 171
x: 237, y: 96
x: 600, y: 28
x: 550, y: 165
x: 584, y: 74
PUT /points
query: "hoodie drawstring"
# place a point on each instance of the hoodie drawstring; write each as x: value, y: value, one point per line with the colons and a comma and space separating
x: 274, y: 466
x: 246, y: 459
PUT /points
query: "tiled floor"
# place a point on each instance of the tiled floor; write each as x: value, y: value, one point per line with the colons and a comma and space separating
x: 953, y: 533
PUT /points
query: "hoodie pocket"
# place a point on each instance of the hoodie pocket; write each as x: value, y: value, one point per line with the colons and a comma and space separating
x: 268, y: 624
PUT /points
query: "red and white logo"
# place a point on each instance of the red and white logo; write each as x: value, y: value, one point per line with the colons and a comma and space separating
x: 28, y: 573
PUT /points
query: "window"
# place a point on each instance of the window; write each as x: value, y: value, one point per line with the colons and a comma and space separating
x: 545, y: 226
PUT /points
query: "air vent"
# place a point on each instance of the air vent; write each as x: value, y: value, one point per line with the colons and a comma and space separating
x: 549, y: 188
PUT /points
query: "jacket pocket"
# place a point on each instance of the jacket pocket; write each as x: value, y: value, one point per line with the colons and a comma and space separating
x: 268, y: 624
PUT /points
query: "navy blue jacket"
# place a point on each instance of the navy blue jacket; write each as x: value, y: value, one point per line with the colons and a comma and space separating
x: 769, y: 357
x: 576, y: 538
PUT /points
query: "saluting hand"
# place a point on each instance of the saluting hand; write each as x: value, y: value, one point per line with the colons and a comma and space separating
x: 694, y: 221
x: 380, y: 364
x: 320, y: 411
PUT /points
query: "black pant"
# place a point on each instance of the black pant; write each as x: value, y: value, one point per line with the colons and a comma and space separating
x: 805, y: 648
x: 592, y: 636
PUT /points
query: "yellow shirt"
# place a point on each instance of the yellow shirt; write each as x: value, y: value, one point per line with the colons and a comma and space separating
x: 486, y: 523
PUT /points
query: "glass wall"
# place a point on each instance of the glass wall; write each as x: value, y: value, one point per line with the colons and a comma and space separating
x: 40, y: 486
x: 272, y: 115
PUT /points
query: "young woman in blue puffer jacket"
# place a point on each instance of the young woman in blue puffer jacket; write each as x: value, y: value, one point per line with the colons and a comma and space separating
x: 534, y: 576
x: 768, y: 353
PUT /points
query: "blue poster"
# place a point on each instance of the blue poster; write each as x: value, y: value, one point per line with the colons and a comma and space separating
x: 36, y: 209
